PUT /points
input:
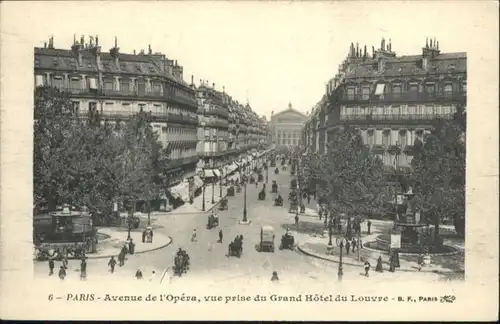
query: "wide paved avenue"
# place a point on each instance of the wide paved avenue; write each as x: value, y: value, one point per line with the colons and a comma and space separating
x: 209, y: 258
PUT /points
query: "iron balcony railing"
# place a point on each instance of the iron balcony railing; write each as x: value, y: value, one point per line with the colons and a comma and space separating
x: 395, y: 117
x: 406, y: 96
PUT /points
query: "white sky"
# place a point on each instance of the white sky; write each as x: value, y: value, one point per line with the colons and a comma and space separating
x: 270, y: 52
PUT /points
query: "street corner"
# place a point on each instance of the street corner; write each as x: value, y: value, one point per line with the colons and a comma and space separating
x: 116, y: 239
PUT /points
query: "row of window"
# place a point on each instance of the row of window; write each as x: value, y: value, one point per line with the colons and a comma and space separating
x: 121, y: 85
x: 288, y: 135
x: 398, y: 110
x: 399, y: 88
x: 283, y: 141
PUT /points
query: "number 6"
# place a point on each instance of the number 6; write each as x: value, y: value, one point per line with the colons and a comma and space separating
x: 51, y: 297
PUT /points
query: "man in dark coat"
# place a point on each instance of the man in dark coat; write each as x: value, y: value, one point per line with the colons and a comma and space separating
x: 62, y: 273
x: 369, y: 224
x: 83, y: 269
x: 131, y: 246
x: 51, y: 267
x: 112, y: 264
x: 138, y: 274
x: 347, y: 246
x: 121, y: 259
x: 144, y: 236
x: 220, y: 235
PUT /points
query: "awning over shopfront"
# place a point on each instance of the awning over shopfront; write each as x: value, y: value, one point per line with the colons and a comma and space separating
x: 208, y: 173
x: 234, y: 177
x: 198, y: 183
x: 216, y: 172
x: 379, y: 89
x: 180, y: 191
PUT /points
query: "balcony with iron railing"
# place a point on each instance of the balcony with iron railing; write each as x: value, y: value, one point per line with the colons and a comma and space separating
x: 405, y: 96
x: 391, y: 118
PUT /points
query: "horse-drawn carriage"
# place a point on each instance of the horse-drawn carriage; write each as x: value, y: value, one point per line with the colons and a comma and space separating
x: 223, y: 204
x: 213, y: 221
x: 230, y: 191
x: 266, y: 238
x: 262, y: 194
x: 274, y: 187
x: 235, y: 248
x: 287, y: 241
x: 278, y: 201
x: 294, y: 207
x: 181, y: 263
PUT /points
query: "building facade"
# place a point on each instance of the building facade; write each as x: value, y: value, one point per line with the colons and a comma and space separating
x: 227, y: 132
x: 287, y: 126
x: 392, y: 100
x: 116, y: 86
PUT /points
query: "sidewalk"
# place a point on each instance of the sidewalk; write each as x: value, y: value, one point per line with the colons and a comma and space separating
x: 315, y: 245
x: 117, y: 237
x: 197, y: 206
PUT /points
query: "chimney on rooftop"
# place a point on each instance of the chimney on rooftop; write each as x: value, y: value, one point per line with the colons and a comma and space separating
x: 115, y: 52
x: 77, y: 51
x: 430, y: 51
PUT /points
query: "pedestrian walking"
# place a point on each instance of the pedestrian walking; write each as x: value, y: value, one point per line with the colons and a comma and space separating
x: 379, y: 267
x: 51, y: 267
x: 62, y: 273
x: 369, y: 224
x: 124, y: 250
x: 121, y: 259
x: 138, y: 274
x: 347, y: 246
x: 275, y: 276
x: 354, y: 244
x: 296, y: 219
x: 193, y: 236
x: 144, y: 236
x: 308, y: 198
x: 320, y: 213
x: 151, y: 235
x: 65, y: 262
x: 367, y: 268
x: 220, y: 235
x: 131, y: 246
x: 112, y: 264
x: 83, y: 269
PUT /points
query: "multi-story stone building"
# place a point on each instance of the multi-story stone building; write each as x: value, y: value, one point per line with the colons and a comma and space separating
x: 287, y: 126
x: 118, y: 85
x: 392, y: 100
x: 227, y: 132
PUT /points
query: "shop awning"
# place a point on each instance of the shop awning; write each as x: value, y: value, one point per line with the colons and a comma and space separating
x: 197, y: 181
x: 379, y: 89
x: 209, y: 173
x: 180, y: 191
x: 39, y: 80
x: 216, y: 172
x: 93, y: 83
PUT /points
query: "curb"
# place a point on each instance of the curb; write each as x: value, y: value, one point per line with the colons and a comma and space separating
x: 314, y: 255
x: 141, y: 252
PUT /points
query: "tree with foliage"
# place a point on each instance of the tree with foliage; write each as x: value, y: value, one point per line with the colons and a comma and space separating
x: 89, y: 162
x: 351, y: 179
x: 439, y: 173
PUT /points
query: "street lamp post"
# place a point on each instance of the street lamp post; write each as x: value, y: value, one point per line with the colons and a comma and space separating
x: 340, y: 243
x: 129, y: 225
x: 245, y: 204
x: 213, y: 190
x: 220, y: 188
x: 203, y: 205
